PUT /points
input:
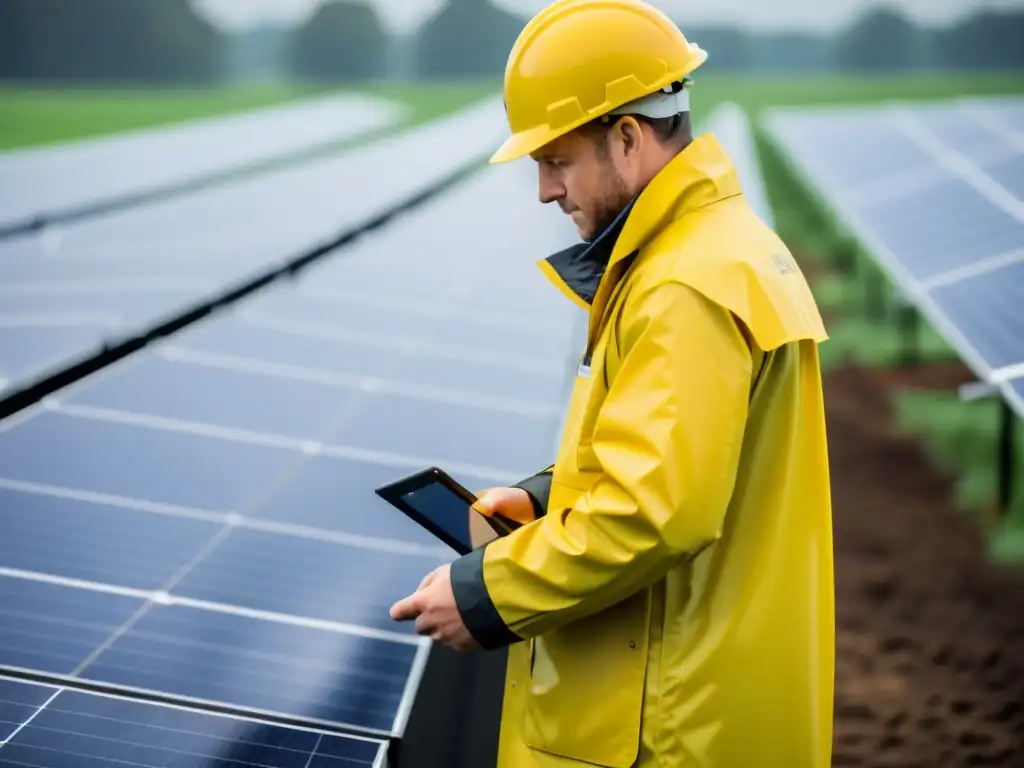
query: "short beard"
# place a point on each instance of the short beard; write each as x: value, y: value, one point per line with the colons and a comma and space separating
x: 612, y: 202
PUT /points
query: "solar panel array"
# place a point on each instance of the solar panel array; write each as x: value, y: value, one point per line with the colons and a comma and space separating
x: 197, y: 522
x: 46, y: 726
x: 731, y: 126
x: 54, y: 179
x: 936, y: 192
x: 65, y: 294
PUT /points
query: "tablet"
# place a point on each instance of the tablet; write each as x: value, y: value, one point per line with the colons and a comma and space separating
x: 440, y: 504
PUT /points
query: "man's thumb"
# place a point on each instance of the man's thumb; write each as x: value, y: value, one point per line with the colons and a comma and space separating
x: 486, y: 502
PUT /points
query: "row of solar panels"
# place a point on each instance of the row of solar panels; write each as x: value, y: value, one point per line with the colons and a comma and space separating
x: 197, y: 522
x: 936, y: 192
x: 95, y: 282
x: 54, y: 180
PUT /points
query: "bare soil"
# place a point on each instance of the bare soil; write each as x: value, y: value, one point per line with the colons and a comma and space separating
x: 930, y: 636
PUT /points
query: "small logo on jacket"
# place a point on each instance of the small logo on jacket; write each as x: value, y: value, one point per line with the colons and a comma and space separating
x: 785, y: 265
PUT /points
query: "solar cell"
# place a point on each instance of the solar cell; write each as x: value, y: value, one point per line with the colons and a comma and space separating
x: 223, y: 542
x: 1008, y: 172
x: 951, y: 230
x: 958, y: 129
x: 104, y: 265
x: 51, y: 179
x: 986, y: 308
x: 205, y: 652
x: 49, y: 727
x: 847, y: 147
x: 969, y: 229
x: 53, y: 628
x: 1001, y: 113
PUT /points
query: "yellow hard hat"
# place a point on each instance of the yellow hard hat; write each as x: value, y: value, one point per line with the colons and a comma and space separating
x: 577, y: 60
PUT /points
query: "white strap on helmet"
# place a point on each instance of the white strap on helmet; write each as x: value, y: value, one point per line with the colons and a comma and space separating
x: 667, y: 102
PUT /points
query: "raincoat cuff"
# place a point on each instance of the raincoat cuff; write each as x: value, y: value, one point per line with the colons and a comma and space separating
x: 538, y: 487
x: 475, y: 606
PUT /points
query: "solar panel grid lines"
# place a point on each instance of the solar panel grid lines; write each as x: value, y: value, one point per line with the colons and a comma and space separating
x: 409, y: 344
x: 48, y: 726
x: 957, y: 163
x: 367, y: 384
x: 982, y: 112
x: 69, y: 403
x: 353, y: 683
x: 971, y: 298
x: 224, y: 549
x: 166, y: 600
x: 195, y: 267
x: 70, y: 178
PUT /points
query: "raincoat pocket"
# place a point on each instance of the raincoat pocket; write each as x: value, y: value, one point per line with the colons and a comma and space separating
x: 586, y: 687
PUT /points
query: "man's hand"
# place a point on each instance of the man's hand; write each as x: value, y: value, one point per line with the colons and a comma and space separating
x: 513, y: 503
x: 433, y: 608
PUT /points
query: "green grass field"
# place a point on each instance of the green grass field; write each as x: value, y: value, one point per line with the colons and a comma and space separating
x: 40, y: 116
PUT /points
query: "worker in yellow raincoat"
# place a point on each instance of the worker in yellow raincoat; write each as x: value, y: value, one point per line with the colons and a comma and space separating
x: 669, y: 601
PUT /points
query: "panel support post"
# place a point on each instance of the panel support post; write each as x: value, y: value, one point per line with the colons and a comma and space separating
x: 874, y: 290
x: 847, y: 258
x: 908, y: 328
x: 1007, y: 458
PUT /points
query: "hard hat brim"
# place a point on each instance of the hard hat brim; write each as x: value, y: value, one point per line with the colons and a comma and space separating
x: 522, y: 144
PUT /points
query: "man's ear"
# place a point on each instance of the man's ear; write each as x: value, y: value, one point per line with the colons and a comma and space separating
x: 628, y: 133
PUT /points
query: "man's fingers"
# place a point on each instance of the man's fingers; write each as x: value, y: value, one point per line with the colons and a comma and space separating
x: 406, y: 609
x: 513, y: 503
x: 485, y: 502
x: 427, y: 579
x: 426, y: 626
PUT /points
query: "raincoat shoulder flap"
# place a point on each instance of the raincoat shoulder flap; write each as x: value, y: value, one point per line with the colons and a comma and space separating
x: 728, y: 255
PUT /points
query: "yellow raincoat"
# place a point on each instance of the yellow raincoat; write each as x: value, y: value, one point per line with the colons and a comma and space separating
x: 674, y: 606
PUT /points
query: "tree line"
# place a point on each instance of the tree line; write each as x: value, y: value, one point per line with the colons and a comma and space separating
x: 167, y: 42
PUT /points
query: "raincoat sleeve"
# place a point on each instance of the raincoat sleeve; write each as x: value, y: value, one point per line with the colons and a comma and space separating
x: 668, y: 439
x: 538, y: 487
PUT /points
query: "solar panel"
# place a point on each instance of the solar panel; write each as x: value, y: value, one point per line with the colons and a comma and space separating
x: 199, y: 520
x: 730, y: 125
x: 48, y: 180
x: 113, y: 277
x: 946, y: 221
x: 50, y: 727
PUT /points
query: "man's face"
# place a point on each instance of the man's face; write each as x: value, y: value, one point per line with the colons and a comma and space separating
x: 583, y: 181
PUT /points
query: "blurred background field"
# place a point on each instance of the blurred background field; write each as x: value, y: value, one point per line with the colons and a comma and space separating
x: 907, y: 449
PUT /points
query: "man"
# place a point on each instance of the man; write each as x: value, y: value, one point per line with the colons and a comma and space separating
x: 670, y: 600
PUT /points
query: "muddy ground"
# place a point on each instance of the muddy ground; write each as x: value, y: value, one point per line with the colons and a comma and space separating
x: 930, y: 666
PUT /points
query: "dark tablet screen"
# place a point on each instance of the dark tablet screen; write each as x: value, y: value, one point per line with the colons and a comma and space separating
x: 436, y: 502
x: 442, y: 507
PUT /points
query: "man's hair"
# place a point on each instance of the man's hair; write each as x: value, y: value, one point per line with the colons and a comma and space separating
x: 675, y: 130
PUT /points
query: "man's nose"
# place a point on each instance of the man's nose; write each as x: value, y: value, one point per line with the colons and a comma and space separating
x: 551, y: 189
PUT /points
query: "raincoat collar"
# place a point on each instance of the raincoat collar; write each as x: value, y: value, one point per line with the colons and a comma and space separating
x: 698, y: 176
x: 577, y: 270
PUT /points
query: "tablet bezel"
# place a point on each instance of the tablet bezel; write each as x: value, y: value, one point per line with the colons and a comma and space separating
x: 393, y: 492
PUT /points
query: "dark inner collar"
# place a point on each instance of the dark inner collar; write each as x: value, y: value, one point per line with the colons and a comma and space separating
x: 582, y: 266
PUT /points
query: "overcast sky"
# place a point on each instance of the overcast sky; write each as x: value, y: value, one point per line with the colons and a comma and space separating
x: 756, y: 14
